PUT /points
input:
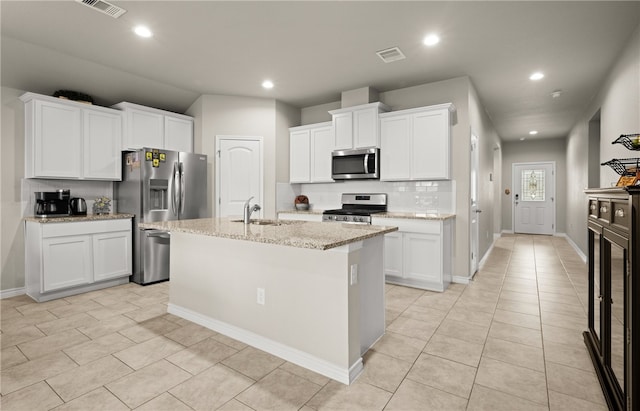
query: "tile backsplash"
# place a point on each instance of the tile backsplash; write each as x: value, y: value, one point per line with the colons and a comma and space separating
x: 408, y: 196
x: 88, y: 190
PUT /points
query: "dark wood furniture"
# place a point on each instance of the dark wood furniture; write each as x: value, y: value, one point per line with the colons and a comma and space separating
x: 613, y: 339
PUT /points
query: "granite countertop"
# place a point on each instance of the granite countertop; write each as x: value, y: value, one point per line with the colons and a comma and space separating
x: 388, y: 214
x: 79, y: 218
x: 301, y: 234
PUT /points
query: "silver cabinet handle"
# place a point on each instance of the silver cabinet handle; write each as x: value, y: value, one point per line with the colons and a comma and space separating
x: 620, y: 212
x: 593, y: 207
x: 603, y: 209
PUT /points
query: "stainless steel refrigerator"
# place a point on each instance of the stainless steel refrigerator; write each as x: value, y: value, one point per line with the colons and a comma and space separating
x: 159, y: 185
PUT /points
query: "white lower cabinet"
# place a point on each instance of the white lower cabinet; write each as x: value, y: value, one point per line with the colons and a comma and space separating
x: 67, y: 258
x: 419, y: 253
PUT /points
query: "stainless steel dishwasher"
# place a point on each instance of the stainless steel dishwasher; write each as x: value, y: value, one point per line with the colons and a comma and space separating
x: 155, y: 255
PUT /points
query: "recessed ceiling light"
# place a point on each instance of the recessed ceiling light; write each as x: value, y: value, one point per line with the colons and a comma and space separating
x: 143, y: 31
x: 268, y: 84
x: 431, y: 40
x: 533, y: 132
x: 536, y: 76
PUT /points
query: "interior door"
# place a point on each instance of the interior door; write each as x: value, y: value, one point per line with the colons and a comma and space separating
x: 474, y: 211
x: 533, y: 198
x: 239, y: 174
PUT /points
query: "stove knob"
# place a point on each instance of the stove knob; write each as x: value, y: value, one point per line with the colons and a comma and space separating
x: 357, y: 219
x: 344, y: 218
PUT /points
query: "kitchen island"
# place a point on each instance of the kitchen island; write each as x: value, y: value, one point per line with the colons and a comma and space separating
x: 310, y: 293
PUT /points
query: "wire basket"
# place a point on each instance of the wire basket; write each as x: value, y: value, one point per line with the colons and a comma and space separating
x: 624, y: 166
x: 630, y: 141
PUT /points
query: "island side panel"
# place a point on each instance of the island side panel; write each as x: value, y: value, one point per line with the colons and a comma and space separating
x: 307, y: 292
x: 371, y: 288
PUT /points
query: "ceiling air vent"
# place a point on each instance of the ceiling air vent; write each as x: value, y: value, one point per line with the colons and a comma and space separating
x: 104, y: 7
x: 390, y: 54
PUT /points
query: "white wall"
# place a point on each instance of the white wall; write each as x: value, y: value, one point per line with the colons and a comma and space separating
x: 286, y: 116
x: 619, y: 101
x: 319, y: 113
x: 552, y: 149
x: 11, y: 206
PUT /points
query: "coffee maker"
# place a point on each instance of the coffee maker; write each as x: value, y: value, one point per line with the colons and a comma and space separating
x: 52, y: 203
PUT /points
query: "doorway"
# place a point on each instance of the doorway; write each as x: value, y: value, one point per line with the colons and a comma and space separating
x: 594, y: 151
x: 239, y: 176
x: 534, y: 209
x: 474, y: 211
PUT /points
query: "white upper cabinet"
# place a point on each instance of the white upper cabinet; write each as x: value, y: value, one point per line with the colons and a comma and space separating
x: 357, y: 126
x: 416, y: 144
x: 151, y: 127
x: 70, y: 140
x: 310, y: 150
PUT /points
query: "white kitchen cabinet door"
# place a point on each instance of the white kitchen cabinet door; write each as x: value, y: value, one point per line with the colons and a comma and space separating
x: 430, y: 152
x: 422, y: 257
x: 365, y: 128
x: 300, y: 156
x: 393, y: 254
x: 321, y: 148
x: 143, y: 129
x: 102, y: 136
x: 395, y: 148
x: 66, y: 262
x: 343, y: 127
x: 57, y: 140
x: 178, y: 134
x: 111, y: 255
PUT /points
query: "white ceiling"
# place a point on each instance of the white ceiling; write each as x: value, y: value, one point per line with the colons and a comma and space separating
x: 314, y: 50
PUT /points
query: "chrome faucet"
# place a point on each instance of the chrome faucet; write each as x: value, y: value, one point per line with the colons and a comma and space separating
x: 248, y: 210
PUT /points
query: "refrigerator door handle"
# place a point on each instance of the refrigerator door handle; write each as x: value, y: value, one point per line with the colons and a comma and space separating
x: 175, y: 191
x: 182, y: 187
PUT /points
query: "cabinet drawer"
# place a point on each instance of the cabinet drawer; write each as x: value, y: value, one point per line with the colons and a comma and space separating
x: 604, y: 211
x: 84, y: 227
x: 620, y: 216
x: 593, y: 208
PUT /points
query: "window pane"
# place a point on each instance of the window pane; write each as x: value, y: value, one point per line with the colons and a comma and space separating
x: 533, y: 185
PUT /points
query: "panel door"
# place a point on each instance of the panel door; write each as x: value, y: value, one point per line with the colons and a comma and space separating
x: 422, y: 257
x: 102, y: 136
x: 111, y: 255
x: 395, y: 148
x: 596, y: 291
x: 321, y: 147
x: 66, y: 262
x: 178, y: 134
x: 533, y: 195
x: 240, y: 176
x: 365, y: 128
x: 300, y: 156
x: 393, y: 254
x: 430, y: 151
x: 58, y: 140
x: 144, y: 129
x: 343, y: 127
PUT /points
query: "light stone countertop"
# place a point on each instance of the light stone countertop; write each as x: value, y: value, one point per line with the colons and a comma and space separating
x: 79, y: 218
x: 301, y: 234
x: 388, y: 214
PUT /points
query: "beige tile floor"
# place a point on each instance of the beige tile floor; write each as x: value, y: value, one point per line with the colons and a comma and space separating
x: 511, y: 340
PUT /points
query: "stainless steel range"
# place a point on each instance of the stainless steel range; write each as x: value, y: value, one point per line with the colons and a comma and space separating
x: 357, y: 208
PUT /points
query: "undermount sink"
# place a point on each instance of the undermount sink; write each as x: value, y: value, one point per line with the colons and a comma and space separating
x: 259, y: 222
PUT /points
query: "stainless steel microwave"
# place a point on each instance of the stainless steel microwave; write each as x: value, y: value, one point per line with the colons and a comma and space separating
x: 361, y: 163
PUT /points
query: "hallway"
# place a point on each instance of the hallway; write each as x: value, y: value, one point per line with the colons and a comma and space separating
x: 511, y: 340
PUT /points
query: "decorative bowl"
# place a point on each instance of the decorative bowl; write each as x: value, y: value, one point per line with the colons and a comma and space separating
x: 302, y: 207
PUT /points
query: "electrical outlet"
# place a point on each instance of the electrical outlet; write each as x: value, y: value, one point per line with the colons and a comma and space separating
x: 260, y: 296
x: 354, y: 274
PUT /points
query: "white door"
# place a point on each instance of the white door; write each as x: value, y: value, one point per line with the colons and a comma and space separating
x: 533, y: 198
x: 474, y: 216
x: 239, y: 174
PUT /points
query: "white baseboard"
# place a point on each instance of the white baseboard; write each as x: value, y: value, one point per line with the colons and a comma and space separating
x: 343, y: 375
x: 460, y: 280
x: 496, y: 236
x: 507, y: 232
x: 12, y: 292
x: 577, y: 249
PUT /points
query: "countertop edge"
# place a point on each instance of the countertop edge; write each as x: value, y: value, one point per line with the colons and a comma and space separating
x: 78, y: 219
x: 408, y: 215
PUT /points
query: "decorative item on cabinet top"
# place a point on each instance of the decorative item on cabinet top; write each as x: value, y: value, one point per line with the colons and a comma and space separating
x: 73, y: 95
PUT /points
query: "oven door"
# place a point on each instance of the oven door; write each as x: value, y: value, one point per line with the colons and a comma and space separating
x: 355, y: 164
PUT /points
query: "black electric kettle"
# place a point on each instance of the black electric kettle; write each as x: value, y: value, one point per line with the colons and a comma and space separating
x: 78, y: 206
